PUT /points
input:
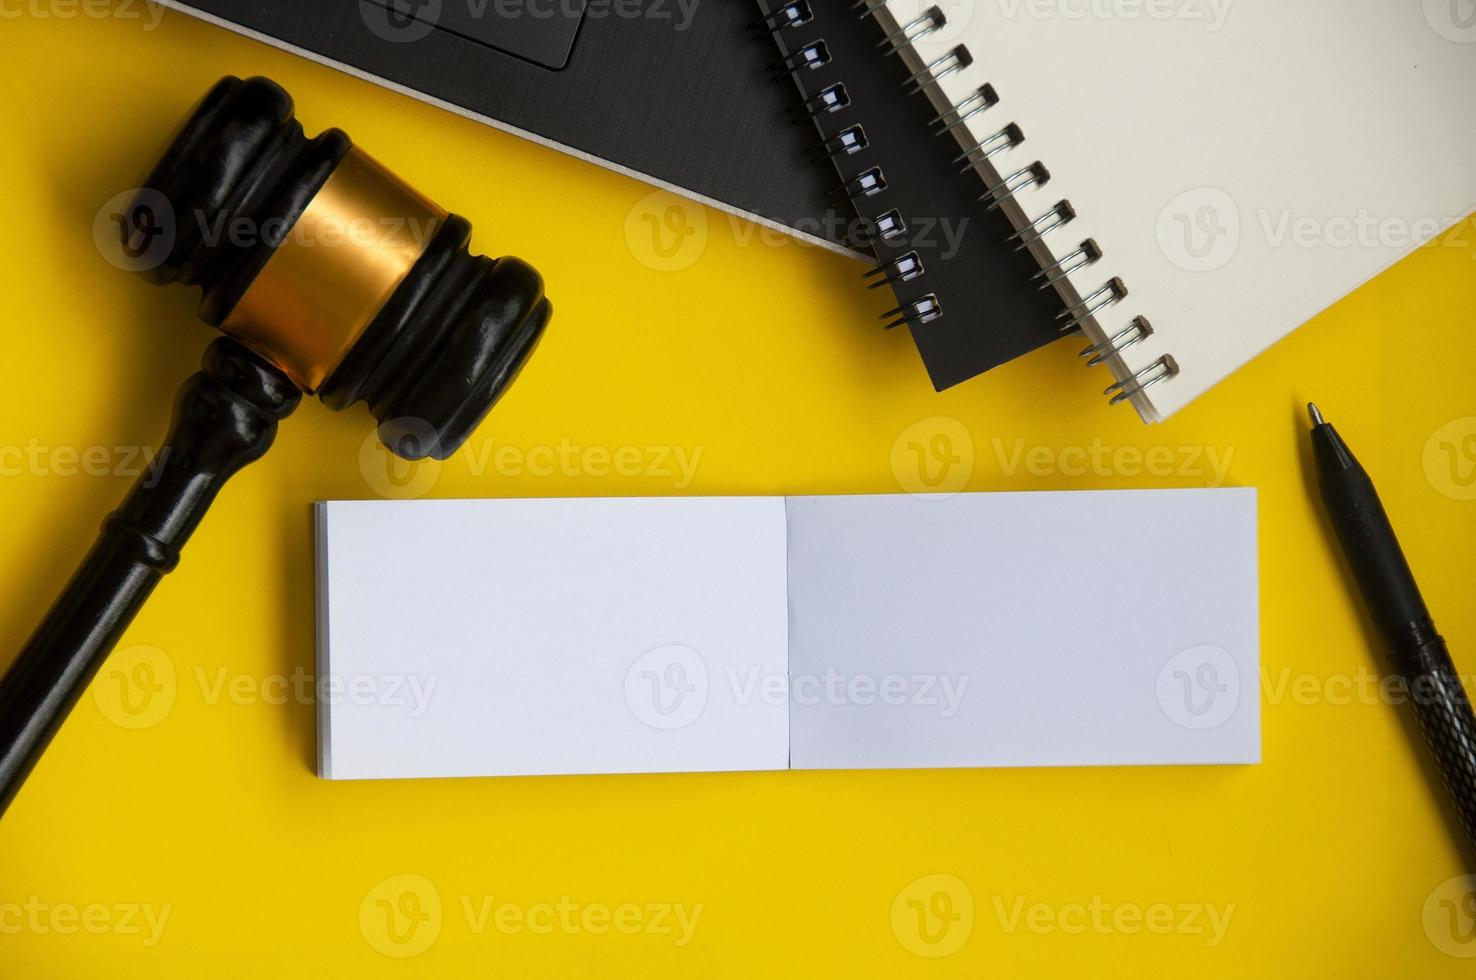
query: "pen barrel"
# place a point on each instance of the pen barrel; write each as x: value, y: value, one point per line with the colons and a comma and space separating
x: 1419, y: 656
x: 1374, y: 556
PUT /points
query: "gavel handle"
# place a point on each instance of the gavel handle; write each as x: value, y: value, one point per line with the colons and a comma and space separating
x: 224, y: 418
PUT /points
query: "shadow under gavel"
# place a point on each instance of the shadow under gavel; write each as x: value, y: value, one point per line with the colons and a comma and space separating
x: 329, y: 276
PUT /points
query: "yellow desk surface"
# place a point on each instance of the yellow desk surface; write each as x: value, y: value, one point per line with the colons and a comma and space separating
x: 176, y: 828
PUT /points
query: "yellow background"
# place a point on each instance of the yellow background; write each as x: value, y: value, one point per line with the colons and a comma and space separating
x: 762, y: 355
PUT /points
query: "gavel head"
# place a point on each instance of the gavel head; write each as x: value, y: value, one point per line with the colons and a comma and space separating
x: 324, y: 263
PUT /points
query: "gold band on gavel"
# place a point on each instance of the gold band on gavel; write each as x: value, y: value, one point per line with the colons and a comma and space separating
x: 349, y: 251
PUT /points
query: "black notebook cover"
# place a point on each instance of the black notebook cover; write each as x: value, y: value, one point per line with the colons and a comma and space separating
x: 992, y: 310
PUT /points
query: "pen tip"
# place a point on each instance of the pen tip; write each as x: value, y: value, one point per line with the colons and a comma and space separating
x: 1313, y: 411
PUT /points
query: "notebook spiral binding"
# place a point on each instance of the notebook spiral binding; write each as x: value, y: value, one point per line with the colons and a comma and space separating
x: 1007, y: 137
x: 867, y: 185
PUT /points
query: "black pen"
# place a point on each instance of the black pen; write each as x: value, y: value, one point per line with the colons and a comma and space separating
x: 1417, y: 654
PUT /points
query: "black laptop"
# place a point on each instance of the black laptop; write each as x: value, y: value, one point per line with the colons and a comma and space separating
x: 673, y: 92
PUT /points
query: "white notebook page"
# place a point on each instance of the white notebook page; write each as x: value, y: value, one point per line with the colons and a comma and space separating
x: 1242, y: 163
x: 542, y: 637
x: 1024, y: 629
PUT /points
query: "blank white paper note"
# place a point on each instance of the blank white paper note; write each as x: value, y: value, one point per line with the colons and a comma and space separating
x: 513, y: 637
x: 550, y: 636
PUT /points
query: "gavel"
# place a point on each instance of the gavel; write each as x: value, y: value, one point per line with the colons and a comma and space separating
x: 329, y: 276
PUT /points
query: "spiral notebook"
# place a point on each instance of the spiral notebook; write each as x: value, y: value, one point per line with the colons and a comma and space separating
x: 1195, y: 179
